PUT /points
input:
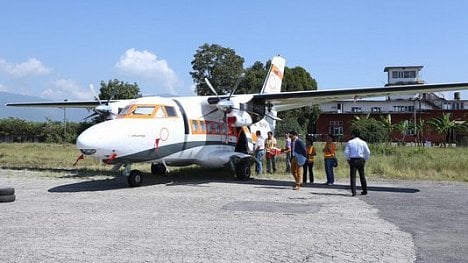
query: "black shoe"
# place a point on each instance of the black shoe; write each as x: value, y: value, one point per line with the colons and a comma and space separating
x: 363, y: 193
x: 353, y: 194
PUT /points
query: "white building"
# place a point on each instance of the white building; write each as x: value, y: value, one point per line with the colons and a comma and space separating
x: 401, y: 75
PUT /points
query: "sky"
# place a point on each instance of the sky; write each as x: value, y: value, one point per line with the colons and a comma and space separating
x: 55, y: 49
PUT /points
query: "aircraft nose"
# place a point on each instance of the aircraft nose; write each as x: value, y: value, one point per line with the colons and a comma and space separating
x: 90, y: 140
x: 86, y: 144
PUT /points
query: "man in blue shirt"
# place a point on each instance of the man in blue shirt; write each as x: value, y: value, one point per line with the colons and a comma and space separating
x: 357, y: 153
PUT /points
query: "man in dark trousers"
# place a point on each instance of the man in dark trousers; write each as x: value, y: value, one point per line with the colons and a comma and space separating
x: 357, y: 153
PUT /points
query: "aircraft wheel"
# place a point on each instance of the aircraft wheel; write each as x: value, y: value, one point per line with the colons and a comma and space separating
x: 243, y: 170
x: 158, y: 169
x: 7, y: 198
x: 135, y: 178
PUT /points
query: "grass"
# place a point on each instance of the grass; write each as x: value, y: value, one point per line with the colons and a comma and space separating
x: 387, y: 162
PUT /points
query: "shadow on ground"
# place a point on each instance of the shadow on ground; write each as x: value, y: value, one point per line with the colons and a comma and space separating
x: 196, y: 178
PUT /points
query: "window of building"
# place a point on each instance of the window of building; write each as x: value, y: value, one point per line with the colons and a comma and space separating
x: 336, y: 127
x: 376, y: 109
x: 407, y: 74
x: 356, y: 109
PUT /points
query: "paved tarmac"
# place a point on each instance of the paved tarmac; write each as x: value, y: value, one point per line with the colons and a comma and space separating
x: 73, y: 219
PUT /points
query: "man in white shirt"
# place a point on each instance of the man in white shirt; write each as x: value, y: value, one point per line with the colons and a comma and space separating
x: 259, y: 152
x: 357, y: 153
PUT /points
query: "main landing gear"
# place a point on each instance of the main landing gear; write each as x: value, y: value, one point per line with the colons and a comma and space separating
x: 242, y: 169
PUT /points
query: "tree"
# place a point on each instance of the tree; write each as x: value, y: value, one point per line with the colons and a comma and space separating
x: 118, y: 90
x: 220, y: 65
x: 444, y: 126
x: 254, y: 78
x: 298, y: 79
x: 371, y: 129
x: 387, y: 124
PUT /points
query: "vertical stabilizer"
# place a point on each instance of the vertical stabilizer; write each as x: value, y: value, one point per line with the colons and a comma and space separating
x: 272, y: 84
x: 274, y: 78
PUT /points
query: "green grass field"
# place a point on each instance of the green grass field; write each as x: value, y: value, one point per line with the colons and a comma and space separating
x: 387, y: 162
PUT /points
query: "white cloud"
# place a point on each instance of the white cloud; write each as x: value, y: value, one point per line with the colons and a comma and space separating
x: 3, y: 88
x: 146, y: 65
x: 66, y: 89
x: 30, y: 67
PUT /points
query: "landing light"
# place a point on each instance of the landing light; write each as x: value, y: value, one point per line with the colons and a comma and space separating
x: 88, y: 151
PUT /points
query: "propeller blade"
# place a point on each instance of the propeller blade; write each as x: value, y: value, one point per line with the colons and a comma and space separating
x: 269, y: 115
x: 211, y: 86
x: 91, y: 87
x: 236, y: 85
x: 89, y: 116
x: 215, y: 110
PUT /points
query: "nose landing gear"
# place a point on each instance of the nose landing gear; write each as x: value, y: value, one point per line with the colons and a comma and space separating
x: 135, y: 177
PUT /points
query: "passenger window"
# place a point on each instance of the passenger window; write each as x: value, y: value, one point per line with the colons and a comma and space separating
x: 195, y: 125
x: 202, y: 126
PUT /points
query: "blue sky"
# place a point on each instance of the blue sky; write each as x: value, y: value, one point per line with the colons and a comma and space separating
x: 55, y: 49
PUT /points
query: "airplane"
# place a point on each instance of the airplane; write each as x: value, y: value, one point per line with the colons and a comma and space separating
x: 209, y: 131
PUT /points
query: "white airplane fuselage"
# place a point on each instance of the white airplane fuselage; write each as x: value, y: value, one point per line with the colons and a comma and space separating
x: 176, y: 131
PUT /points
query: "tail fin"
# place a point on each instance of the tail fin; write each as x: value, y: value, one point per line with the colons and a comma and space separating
x: 274, y: 78
x: 272, y: 84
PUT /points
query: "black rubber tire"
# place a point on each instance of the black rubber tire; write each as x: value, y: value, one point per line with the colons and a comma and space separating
x: 135, y: 178
x: 158, y: 169
x: 243, y: 170
x: 7, y: 190
x: 7, y: 198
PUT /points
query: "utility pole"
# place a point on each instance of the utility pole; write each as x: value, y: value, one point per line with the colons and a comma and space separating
x: 65, y: 121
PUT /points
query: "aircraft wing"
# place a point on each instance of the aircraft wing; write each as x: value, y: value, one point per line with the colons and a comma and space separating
x: 291, y: 100
x: 58, y: 104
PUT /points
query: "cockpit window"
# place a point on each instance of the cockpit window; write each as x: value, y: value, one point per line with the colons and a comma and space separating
x: 170, y: 111
x: 125, y: 110
x: 159, y: 113
x: 147, y: 111
x: 143, y: 110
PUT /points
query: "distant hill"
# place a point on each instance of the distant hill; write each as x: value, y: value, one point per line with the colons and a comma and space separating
x: 36, y: 114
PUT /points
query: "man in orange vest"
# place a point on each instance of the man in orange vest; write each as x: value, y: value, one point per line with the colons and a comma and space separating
x: 309, y: 164
x: 329, y: 157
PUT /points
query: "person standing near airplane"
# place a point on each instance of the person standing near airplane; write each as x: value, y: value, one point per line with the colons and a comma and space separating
x: 298, y: 158
x: 270, y: 145
x: 357, y: 153
x: 259, y: 152
x: 329, y: 157
x: 309, y: 164
x: 287, y: 152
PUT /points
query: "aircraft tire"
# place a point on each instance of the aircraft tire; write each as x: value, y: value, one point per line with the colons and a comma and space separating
x: 135, y: 178
x: 158, y: 169
x: 243, y: 171
x: 7, y: 190
x: 7, y: 198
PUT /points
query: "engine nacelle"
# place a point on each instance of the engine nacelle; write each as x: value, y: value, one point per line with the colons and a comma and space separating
x: 239, y: 118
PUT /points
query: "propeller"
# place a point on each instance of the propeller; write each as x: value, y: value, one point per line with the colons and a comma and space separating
x: 103, y: 109
x: 224, y: 105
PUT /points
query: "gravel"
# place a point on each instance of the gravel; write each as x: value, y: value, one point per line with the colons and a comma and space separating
x: 72, y: 219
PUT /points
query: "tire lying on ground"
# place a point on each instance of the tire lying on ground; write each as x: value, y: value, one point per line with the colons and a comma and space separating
x: 7, y: 198
x: 7, y: 194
